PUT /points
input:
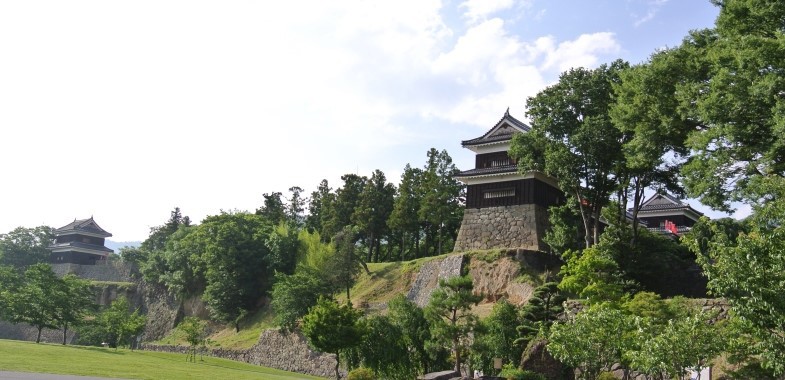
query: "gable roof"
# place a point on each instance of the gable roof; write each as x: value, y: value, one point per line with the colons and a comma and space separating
x: 664, y: 202
x: 502, y: 131
x: 86, y: 226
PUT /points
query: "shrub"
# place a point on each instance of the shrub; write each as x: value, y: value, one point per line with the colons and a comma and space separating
x: 361, y: 374
x: 511, y: 372
x: 606, y: 376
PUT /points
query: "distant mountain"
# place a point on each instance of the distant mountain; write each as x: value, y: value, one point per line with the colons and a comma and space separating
x: 116, y: 245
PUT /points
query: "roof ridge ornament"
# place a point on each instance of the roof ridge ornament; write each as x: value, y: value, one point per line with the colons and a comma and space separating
x: 507, y: 113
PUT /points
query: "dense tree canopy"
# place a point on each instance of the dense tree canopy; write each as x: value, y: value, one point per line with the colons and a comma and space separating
x: 23, y: 247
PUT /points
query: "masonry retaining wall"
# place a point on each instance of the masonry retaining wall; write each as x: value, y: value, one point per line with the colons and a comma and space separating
x: 288, y: 352
x: 511, y: 227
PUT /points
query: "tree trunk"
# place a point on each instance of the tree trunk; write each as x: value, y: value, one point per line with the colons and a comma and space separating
x: 237, y: 326
x: 65, y: 332
x: 38, y: 338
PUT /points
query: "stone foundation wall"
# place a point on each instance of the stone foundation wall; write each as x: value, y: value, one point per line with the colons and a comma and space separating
x: 115, y: 271
x: 514, y: 227
x: 288, y: 352
x: 429, y: 275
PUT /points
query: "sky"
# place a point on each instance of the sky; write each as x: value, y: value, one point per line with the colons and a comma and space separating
x: 123, y: 110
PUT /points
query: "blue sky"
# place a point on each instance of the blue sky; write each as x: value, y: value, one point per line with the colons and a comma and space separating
x: 124, y: 110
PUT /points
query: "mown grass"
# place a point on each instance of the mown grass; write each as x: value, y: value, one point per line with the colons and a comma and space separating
x: 106, y: 362
x: 226, y: 336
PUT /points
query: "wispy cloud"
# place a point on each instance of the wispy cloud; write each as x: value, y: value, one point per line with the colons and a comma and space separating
x: 652, y: 8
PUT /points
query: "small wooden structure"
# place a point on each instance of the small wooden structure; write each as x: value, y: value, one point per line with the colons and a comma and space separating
x: 666, y: 214
x: 80, y: 242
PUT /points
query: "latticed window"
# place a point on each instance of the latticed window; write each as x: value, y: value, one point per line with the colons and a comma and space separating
x: 500, y: 193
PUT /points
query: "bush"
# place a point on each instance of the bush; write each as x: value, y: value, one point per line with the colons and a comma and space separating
x: 606, y: 376
x: 361, y: 374
x: 511, y: 372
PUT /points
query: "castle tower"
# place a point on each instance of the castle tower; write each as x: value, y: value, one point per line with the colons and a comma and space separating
x: 79, y: 242
x: 504, y: 208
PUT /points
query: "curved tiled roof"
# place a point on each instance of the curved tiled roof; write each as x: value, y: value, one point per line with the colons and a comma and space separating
x: 485, y: 171
x: 77, y: 244
x: 83, y: 225
x: 485, y: 139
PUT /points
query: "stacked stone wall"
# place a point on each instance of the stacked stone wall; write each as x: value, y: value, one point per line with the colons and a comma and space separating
x: 288, y: 352
x: 114, y: 271
x: 513, y: 227
x: 429, y: 275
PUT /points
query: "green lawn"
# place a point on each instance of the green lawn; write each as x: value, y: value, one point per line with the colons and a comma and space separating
x: 106, y: 362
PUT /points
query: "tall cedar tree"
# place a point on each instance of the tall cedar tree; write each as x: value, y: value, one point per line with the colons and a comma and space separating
x: 403, y: 222
x: 441, y: 204
x: 373, y: 210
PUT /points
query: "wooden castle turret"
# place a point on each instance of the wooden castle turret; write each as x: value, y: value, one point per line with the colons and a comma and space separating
x: 504, y: 208
x: 80, y: 242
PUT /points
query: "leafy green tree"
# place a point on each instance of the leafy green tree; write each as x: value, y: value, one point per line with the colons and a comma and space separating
x: 449, y: 315
x: 373, y: 210
x: 292, y: 296
x: 403, y: 221
x: 194, y: 331
x: 74, y: 300
x: 283, y: 244
x: 495, y: 338
x: 158, y: 235
x: 593, y: 275
x: 594, y: 340
x: 273, y: 208
x: 573, y: 140
x: 234, y: 254
x: 23, y: 247
x: 416, y: 330
x: 10, y: 282
x: 34, y: 303
x: 119, y: 324
x: 441, y: 208
x: 333, y: 328
x: 384, y: 350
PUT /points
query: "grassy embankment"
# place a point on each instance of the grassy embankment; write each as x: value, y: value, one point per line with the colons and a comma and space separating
x: 106, y: 362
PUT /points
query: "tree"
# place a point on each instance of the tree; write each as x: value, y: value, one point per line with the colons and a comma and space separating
x: 332, y: 328
x: 441, y: 200
x: 594, y: 275
x: 496, y: 338
x: 292, y: 296
x: 23, y: 247
x: 34, y: 303
x: 296, y: 207
x: 194, y: 330
x: 119, y: 324
x: 158, y: 235
x: 273, y: 208
x: 346, y: 264
x: 73, y: 300
x: 320, y: 207
x: 594, y: 340
x: 340, y: 210
x: 283, y: 245
x: 573, y: 140
x: 10, y: 282
x: 403, y: 220
x: 235, y: 248
x: 373, y: 209
x: 384, y: 350
x: 539, y: 313
x: 449, y: 315
x: 416, y: 330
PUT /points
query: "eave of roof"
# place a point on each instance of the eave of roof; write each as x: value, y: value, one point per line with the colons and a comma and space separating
x: 499, y: 138
x: 83, y: 225
x: 487, y: 171
x: 79, y: 245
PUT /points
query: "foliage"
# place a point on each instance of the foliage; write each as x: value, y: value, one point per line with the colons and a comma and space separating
x: 594, y: 340
x: 539, y: 313
x: 512, y: 372
x: 34, y: 302
x: 361, y: 373
x: 440, y: 208
x: 332, y: 328
x: 495, y: 337
x: 73, y: 299
x: 573, y: 140
x: 384, y: 350
x: 375, y: 204
x: 23, y: 247
x: 292, y: 296
x: 344, y: 267
x: 593, y: 275
x: 119, y: 324
x: 403, y: 221
x: 449, y: 315
x: 273, y: 209
x: 194, y: 330
x: 415, y: 328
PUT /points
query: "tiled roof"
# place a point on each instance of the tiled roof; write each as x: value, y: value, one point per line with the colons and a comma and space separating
x: 77, y: 244
x: 83, y: 225
x: 486, y: 171
x: 665, y: 201
x: 485, y: 139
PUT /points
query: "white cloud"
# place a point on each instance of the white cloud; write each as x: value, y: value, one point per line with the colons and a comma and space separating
x: 480, y: 9
x: 581, y: 52
x: 652, y: 8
